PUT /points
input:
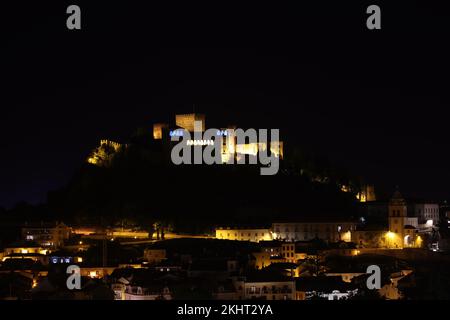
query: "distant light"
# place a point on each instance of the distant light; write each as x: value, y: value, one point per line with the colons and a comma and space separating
x: 81, y: 242
x: 79, y: 259
x: 24, y: 251
x: 177, y: 133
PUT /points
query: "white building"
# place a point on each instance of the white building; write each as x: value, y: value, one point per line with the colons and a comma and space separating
x: 304, y: 231
x: 427, y: 213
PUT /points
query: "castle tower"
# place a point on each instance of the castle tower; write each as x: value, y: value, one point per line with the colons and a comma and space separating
x: 370, y: 193
x: 397, y: 214
x: 158, y: 129
x: 187, y: 121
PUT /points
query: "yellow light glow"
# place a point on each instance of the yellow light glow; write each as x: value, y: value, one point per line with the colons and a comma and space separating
x: 24, y: 251
x: 390, y: 235
x: 419, y: 241
x: 79, y: 259
x: 93, y: 274
x: 346, y: 236
x: 34, y: 283
x: 81, y: 242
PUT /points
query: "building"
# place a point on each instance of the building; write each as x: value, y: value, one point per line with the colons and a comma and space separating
x: 213, y: 268
x: 146, y: 293
x: 331, y: 230
x: 427, y: 213
x: 401, y: 227
x: 47, y: 235
x: 25, y: 250
x: 244, y: 234
x: 265, y: 286
x: 265, y: 259
x: 159, y: 130
x: 367, y: 194
x: 402, y: 230
x: 232, y: 147
x: 187, y: 121
x: 154, y: 256
x: 370, y: 237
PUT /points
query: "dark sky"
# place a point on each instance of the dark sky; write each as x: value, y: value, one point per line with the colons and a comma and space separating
x: 373, y: 101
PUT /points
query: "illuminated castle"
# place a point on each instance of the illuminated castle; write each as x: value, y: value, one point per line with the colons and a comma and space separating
x: 365, y: 194
x: 104, y: 153
x: 230, y: 146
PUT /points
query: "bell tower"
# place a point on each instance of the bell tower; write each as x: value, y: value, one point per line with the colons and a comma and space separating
x: 397, y: 214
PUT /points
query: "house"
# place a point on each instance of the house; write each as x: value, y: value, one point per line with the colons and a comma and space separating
x: 47, y: 235
x: 25, y: 250
x: 154, y: 256
x: 264, y: 285
x: 213, y: 268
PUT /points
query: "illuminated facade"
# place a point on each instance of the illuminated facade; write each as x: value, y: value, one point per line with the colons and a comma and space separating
x: 365, y: 194
x: 292, y: 231
x: 427, y: 213
x: 253, y: 235
x: 301, y: 231
x: 105, y: 152
x: 231, y: 149
x: 401, y: 227
x: 187, y: 121
x: 47, y: 236
x: 264, y: 259
x: 25, y: 250
x: 158, y: 130
x: 402, y: 231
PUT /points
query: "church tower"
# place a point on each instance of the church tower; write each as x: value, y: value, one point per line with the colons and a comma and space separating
x: 397, y: 214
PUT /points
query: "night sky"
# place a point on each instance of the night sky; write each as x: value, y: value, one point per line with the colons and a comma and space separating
x: 373, y: 101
